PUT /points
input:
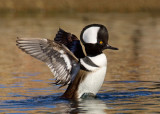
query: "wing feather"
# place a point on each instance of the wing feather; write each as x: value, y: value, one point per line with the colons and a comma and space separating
x: 58, y: 58
x: 70, y: 41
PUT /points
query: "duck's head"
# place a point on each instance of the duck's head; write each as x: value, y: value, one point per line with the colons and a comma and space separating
x: 95, y: 39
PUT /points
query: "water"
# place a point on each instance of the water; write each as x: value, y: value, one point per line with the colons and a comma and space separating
x: 128, y: 99
x: 132, y: 81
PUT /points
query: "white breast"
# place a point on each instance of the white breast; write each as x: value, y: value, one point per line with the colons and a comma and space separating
x: 99, y: 60
x: 94, y: 80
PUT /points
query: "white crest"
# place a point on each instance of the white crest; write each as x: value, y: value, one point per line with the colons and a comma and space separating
x: 90, y: 35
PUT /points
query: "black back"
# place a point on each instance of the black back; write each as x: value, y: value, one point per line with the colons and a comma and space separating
x: 70, y: 41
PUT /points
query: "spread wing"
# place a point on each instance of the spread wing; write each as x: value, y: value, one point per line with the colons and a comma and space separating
x: 59, y: 59
x: 70, y: 41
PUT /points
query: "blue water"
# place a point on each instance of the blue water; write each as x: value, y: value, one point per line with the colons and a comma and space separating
x: 113, y: 99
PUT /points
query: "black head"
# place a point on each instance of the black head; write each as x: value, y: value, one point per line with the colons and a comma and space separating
x: 95, y: 39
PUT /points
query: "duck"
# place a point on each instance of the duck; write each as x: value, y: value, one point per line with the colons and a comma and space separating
x: 83, y: 73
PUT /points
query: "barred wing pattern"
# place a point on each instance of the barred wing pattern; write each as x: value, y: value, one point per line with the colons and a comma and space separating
x: 58, y: 58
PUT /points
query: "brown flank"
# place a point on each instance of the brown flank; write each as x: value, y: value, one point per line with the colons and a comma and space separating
x: 71, y: 92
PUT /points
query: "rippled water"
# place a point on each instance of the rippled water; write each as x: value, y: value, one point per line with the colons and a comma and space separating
x: 133, y: 75
x: 127, y: 99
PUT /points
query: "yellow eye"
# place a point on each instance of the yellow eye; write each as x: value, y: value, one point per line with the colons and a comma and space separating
x: 101, y: 42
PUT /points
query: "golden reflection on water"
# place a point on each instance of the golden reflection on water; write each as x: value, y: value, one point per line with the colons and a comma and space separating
x: 136, y: 35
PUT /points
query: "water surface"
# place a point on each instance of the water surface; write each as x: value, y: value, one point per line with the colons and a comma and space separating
x: 132, y: 81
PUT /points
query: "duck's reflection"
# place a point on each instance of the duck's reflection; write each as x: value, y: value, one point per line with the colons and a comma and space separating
x: 89, y: 106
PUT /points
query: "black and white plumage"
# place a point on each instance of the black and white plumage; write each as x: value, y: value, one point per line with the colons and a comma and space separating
x: 66, y: 60
x: 58, y: 58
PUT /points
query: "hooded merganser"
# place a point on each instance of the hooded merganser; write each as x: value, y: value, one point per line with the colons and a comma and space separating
x: 84, y: 75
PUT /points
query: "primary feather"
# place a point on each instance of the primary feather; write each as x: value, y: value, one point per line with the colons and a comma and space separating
x: 58, y: 58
